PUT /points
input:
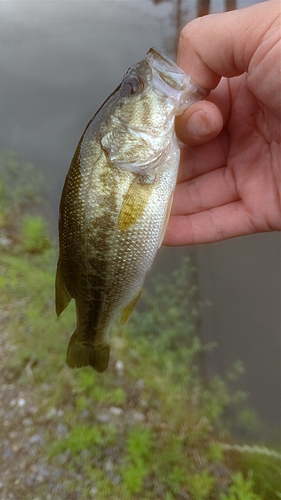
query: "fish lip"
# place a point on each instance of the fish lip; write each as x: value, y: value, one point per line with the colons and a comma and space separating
x: 163, y: 64
x: 169, y: 80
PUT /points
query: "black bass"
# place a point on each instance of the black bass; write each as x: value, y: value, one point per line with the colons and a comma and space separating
x: 116, y: 202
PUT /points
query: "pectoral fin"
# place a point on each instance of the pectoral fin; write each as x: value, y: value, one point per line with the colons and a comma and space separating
x: 134, y: 202
x: 63, y: 296
x: 126, y: 313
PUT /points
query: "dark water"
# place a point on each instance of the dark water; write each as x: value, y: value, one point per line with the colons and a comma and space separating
x: 58, y: 62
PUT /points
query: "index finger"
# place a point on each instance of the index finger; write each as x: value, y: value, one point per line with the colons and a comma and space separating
x: 223, y: 44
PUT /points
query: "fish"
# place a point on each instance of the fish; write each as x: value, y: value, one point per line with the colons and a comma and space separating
x: 116, y: 202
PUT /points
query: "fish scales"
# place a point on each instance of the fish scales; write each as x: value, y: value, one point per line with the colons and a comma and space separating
x: 116, y: 202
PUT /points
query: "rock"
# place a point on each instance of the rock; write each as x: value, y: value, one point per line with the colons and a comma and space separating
x: 114, y: 410
x: 36, y: 439
x: 103, y: 418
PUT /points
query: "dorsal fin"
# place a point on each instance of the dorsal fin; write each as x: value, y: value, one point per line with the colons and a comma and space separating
x: 63, y: 296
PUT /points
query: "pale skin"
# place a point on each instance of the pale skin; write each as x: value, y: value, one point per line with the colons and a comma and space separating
x: 229, y: 180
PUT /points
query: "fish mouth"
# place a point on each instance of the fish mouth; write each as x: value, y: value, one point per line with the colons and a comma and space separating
x: 169, y: 79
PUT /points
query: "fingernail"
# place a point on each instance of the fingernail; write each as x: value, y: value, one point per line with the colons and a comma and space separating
x: 201, y: 124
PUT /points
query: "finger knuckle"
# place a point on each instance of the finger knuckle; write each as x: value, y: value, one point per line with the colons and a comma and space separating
x: 188, y: 33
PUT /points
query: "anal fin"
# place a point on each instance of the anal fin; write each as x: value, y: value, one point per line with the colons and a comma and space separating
x: 127, y: 311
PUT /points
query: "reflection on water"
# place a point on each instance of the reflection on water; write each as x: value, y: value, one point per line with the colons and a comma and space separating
x: 203, y: 6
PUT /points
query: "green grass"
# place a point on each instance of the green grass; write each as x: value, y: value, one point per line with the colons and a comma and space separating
x: 152, y: 430
x: 159, y: 432
x: 240, y: 489
x: 34, y: 234
x: 81, y: 438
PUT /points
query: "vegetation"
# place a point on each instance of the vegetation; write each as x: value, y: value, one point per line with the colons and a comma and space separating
x: 22, y: 189
x: 148, y: 428
x: 34, y: 234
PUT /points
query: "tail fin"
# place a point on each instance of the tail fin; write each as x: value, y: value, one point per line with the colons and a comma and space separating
x: 79, y: 354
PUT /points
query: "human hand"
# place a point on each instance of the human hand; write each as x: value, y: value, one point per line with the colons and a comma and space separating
x: 229, y: 178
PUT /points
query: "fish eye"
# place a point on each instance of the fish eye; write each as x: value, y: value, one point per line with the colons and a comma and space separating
x: 131, y: 85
